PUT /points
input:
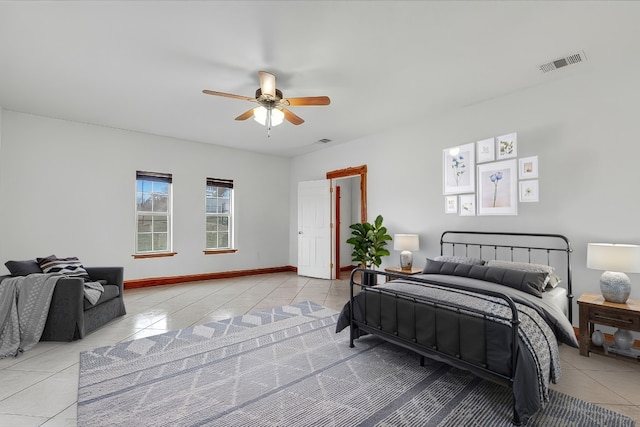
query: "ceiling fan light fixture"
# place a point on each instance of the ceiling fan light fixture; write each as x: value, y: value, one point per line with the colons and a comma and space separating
x: 260, y: 115
x: 272, y: 109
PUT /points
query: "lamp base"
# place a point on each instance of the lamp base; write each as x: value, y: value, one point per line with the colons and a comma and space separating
x: 615, y: 286
x: 406, y: 260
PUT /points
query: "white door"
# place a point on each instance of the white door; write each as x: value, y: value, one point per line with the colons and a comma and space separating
x: 314, y: 229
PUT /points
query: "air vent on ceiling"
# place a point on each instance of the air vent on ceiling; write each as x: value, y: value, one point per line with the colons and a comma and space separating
x: 563, y: 62
x: 323, y: 141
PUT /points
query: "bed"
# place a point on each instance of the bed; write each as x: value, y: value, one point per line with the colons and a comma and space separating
x: 496, y: 304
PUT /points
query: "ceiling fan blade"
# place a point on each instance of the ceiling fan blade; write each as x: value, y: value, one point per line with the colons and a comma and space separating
x: 228, y: 95
x: 245, y: 115
x: 290, y: 117
x: 267, y: 84
x: 307, y: 100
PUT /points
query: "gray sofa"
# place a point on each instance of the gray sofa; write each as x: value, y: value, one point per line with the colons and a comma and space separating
x: 71, y: 315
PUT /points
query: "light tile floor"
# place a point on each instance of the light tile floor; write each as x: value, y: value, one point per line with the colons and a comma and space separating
x: 39, y: 388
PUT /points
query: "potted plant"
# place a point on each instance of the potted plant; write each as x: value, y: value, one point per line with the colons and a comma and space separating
x: 369, y: 241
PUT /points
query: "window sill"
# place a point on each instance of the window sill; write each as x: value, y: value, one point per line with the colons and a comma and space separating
x: 219, y: 251
x: 155, y: 255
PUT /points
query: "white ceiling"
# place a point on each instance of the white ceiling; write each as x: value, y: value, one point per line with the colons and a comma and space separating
x: 142, y: 65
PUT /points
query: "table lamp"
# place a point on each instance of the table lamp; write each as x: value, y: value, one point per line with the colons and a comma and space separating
x: 406, y: 243
x: 616, y: 260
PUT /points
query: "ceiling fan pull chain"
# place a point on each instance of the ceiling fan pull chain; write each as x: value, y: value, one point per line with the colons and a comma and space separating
x: 269, y: 123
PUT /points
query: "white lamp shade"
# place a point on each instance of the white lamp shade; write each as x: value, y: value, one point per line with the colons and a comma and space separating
x: 260, y: 116
x: 406, y: 242
x: 613, y: 257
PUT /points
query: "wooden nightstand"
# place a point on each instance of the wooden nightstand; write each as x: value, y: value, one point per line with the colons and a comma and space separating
x: 398, y: 270
x: 595, y: 310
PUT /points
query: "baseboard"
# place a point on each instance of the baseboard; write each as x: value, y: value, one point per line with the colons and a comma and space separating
x: 607, y: 337
x: 171, y: 280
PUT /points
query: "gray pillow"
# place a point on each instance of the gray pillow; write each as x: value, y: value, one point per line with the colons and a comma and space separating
x: 459, y: 259
x: 530, y: 282
x: 23, y: 268
x: 552, y: 280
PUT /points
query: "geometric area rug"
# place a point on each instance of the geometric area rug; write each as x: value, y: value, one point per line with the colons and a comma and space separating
x: 287, y: 367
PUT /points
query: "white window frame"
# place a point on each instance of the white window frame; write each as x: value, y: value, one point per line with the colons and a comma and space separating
x: 220, y: 183
x: 154, y: 177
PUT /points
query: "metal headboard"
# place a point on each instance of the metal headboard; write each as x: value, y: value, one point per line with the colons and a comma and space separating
x: 474, y: 242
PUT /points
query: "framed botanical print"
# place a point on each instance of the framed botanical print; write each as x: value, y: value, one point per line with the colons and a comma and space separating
x: 507, y: 146
x: 529, y: 191
x: 486, y: 150
x: 451, y: 204
x: 458, y: 169
x: 528, y: 167
x: 498, y: 188
x: 468, y: 205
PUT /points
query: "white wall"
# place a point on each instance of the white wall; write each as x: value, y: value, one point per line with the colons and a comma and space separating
x: 585, y: 131
x: 69, y: 189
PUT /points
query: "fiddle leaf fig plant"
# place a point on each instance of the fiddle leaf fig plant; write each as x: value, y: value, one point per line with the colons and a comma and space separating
x: 369, y: 241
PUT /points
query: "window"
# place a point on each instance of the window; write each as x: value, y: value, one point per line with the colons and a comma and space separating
x: 219, y: 213
x: 153, y: 212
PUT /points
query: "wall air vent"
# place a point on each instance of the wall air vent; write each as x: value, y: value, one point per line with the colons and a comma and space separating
x: 563, y: 62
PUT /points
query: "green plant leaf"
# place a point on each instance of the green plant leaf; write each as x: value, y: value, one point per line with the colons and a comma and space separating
x: 368, y: 242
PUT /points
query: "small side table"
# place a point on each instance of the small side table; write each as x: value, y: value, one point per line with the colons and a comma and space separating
x: 398, y: 270
x: 595, y: 310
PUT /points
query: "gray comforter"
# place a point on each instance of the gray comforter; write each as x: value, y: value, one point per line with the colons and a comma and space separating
x: 24, y: 307
x: 542, y: 325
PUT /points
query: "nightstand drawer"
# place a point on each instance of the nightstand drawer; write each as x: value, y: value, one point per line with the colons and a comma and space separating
x: 614, y: 318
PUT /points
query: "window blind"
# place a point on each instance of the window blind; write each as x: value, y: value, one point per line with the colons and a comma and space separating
x: 217, y: 182
x: 154, y: 176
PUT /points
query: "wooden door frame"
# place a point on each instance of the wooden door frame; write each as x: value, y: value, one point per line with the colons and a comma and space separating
x: 355, y: 171
x: 337, y: 228
x: 360, y: 171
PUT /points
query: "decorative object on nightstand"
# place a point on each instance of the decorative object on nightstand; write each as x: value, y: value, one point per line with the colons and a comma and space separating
x: 597, y: 338
x: 406, y: 243
x: 616, y: 260
x: 623, y: 339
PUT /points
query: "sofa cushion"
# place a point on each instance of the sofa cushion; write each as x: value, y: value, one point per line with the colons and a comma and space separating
x: 71, y: 266
x: 23, y: 268
x: 110, y: 292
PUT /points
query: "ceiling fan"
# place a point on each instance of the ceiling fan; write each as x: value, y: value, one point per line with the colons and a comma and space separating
x: 271, y: 110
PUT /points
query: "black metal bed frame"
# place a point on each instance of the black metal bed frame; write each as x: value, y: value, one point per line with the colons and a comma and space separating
x: 456, y: 361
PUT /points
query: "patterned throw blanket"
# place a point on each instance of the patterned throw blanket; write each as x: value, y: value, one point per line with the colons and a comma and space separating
x: 24, y: 307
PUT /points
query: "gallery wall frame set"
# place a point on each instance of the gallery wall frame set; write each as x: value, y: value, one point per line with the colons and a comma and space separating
x: 490, y: 167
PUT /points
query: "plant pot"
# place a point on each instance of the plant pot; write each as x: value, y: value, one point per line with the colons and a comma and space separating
x: 369, y: 278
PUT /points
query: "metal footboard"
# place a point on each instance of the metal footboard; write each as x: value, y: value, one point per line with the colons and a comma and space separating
x: 413, y: 312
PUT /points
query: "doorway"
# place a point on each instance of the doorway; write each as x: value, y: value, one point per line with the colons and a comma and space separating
x: 344, y: 179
